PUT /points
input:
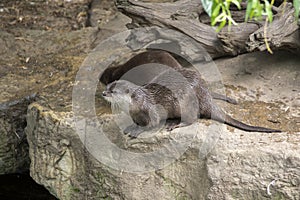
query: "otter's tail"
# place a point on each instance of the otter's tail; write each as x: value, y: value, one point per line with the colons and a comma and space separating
x: 235, y: 123
x: 222, y: 117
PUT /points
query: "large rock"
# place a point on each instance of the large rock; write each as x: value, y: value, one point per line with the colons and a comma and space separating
x: 13, y: 144
x: 219, y: 162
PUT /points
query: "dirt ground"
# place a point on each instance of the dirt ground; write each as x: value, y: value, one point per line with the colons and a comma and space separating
x: 41, y: 41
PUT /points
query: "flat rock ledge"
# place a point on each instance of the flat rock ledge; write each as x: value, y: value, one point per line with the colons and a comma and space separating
x: 239, y: 165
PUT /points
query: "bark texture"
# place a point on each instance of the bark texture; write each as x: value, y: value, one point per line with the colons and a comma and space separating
x: 188, y: 16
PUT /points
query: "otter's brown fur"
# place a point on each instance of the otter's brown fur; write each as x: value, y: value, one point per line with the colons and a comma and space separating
x: 182, y: 94
x: 151, y: 56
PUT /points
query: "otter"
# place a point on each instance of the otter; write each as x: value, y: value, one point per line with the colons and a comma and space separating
x: 150, y: 56
x: 170, y: 96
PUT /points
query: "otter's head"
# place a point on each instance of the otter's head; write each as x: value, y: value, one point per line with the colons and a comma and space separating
x: 119, y: 91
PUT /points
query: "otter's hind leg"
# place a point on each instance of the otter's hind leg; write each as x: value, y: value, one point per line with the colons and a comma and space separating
x: 224, y: 98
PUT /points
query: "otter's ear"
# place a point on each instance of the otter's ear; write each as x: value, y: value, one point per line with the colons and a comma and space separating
x: 127, y: 91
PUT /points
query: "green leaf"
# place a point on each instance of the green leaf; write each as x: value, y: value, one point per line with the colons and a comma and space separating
x: 222, y: 24
x: 297, y: 7
x: 248, y: 10
x: 254, y: 10
x: 236, y: 3
x: 268, y: 10
x: 255, y: 3
x: 219, y: 18
x: 259, y: 11
x: 252, y: 14
x: 216, y: 11
x: 227, y: 4
x: 207, y: 5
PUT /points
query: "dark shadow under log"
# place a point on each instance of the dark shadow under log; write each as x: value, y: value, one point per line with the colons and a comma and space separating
x: 151, y: 56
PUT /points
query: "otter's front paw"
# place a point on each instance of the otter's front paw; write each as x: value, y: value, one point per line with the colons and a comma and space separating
x: 173, y: 125
x: 133, y: 131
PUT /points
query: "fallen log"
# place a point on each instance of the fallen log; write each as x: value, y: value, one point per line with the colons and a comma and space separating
x: 184, y: 16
